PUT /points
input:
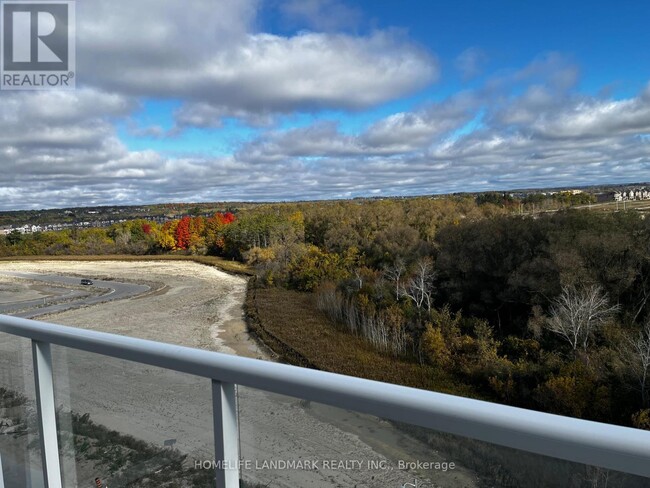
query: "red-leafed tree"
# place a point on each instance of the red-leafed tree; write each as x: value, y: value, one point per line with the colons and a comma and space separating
x: 146, y: 228
x: 214, y: 227
x: 225, y: 218
x: 183, y: 234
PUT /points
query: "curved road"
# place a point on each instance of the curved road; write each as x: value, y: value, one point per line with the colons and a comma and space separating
x: 112, y: 290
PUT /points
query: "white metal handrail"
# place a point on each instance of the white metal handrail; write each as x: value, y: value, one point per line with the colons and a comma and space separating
x: 603, y: 445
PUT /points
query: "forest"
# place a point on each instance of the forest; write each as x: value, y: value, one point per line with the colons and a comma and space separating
x: 547, y: 311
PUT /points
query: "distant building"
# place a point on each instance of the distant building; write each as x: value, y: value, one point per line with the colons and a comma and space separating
x: 29, y: 229
x: 632, y: 194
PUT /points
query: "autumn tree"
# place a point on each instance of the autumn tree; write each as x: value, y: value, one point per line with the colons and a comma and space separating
x: 166, y: 238
x: 95, y: 241
x: 433, y: 346
x: 196, y: 241
x: 574, y: 391
x: 213, y: 233
x: 226, y: 218
x: 183, y: 234
x: 314, y: 266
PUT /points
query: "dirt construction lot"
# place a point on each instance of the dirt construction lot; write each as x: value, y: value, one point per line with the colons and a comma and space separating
x: 200, y: 306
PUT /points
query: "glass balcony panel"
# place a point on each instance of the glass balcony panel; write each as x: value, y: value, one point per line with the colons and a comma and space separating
x: 135, y: 425
x: 20, y: 451
x: 130, y: 424
x: 291, y: 442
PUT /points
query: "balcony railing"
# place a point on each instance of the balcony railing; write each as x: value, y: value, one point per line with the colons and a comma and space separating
x: 602, y: 445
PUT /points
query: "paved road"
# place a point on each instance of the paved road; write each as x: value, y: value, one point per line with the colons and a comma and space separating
x: 109, y: 290
x: 58, y: 295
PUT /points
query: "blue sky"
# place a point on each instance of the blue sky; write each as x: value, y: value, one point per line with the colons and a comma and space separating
x: 286, y: 99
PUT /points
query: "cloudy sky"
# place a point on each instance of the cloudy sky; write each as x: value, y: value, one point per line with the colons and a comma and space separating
x: 212, y: 100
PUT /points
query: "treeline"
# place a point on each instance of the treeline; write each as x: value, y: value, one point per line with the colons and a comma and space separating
x: 193, y: 235
x: 536, y: 201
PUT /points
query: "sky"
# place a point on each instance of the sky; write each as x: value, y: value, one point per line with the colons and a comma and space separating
x: 272, y: 100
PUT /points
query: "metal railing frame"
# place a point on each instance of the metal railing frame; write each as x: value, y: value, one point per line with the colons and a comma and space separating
x: 581, y: 441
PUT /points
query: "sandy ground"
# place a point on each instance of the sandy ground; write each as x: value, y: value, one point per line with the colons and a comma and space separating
x: 199, y: 306
x: 14, y: 291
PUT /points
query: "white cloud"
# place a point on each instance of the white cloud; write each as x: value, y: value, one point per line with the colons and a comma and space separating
x: 400, y: 133
x: 207, y: 53
x: 62, y: 106
x: 322, y: 139
x: 205, y: 115
x: 597, y: 119
x: 408, y: 131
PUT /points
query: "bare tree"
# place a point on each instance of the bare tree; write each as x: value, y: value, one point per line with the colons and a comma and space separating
x: 123, y: 239
x: 383, y: 330
x: 636, y: 356
x: 358, y: 277
x: 419, y: 288
x: 577, y: 313
x: 395, y: 273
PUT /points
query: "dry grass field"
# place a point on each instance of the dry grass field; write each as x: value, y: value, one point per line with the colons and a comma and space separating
x: 233, y: 267
x: 290, y: 323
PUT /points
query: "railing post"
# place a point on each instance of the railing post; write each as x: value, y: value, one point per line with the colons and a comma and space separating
x: 226, y: 434
x: 2, y: 475
x: 46, y: 409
